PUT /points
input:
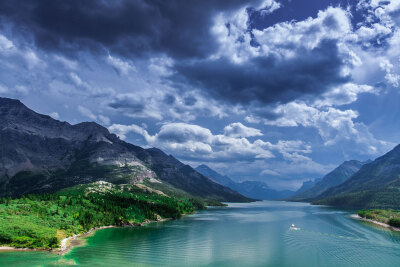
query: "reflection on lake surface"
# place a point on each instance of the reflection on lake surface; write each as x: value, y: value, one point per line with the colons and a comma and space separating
x: 255, y: 234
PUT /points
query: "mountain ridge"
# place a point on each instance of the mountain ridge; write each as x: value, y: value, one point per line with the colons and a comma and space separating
x: 307, y: 184
x: 375, y: 185
x: 252, y: 189
x: 41, y: 154
x: 333, y: 178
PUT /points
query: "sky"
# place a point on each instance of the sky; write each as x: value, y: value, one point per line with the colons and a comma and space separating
x: 280, y: 91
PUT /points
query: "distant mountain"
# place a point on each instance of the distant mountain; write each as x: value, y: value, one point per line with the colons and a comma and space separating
x: 375, y: 185
x: 307, y: 184
x: 334, y: 178
x: 261, y: 190
x: 41, y: 154
x: 215, y: 176
x: 251, y: 189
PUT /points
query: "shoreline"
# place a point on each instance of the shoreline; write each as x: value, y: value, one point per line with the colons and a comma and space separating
x: 356, y: 216
x: 67, y: 243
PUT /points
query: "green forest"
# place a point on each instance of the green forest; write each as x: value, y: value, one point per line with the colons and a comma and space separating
x: 389, y: 216
x: 379, y: 198
x: 43, y: 220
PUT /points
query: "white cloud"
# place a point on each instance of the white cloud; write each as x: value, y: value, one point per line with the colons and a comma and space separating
x: 289, y: 168
x: 335, y: 126
x: 279, y: 39
x: 268, y: 6
x: 70, y: 64
x: 384, y: 6
x: 161, y: 65
x: 283, y: 40
x: 199, y: 143
x: 142, y: 86
x: 289, y: 146
x: 28, y: 55
x: 77, y: 80
x: 32, y: 59
x: 120, y: 65
x: 153, y: 104
x: 87, y: 113
x: 54, y: 115
x: 89, y: 89
x: 391, y: 77
x: 365, y: 34
x: 380, y: 38
x: 239, y: 130
x: 104, y: 119
x: 229, y: 36
x: 123, y: 130
x: 6, y: 45
x: 344, y: 94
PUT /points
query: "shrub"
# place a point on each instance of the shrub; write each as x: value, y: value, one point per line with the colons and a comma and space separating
x: 362, y: 213
x: 370, y: 216
x: 394, y: 222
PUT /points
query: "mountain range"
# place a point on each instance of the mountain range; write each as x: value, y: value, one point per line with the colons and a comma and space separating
x: 306, y: 185
x: 251, y: 189
x: 375, y: 185
x: 334, y: 178
x: 41, y: 154
x: 356, y: 184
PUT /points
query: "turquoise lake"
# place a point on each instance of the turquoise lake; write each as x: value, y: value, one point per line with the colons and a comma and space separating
x: 255, y: 234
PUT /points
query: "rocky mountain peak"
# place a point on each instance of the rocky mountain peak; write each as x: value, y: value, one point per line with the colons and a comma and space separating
x: 14, y: 109
x: 41, y: 154
x: 10, y: 102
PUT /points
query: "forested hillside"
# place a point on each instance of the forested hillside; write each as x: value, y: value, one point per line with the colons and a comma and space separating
x: 42, y: 221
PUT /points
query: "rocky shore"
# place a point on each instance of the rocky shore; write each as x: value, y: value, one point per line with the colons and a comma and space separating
x: 355, y: 216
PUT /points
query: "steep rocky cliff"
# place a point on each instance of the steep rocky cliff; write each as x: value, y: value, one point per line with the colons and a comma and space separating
x: 41, y: 154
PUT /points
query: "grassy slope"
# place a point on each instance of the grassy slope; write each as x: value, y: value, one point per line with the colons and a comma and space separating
x: 42, y: 221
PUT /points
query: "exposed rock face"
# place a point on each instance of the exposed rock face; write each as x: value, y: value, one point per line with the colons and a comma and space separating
x: 186, y: 178
x: 39, y: 153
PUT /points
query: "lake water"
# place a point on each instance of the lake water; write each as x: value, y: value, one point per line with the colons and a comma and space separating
x: 255, y: 234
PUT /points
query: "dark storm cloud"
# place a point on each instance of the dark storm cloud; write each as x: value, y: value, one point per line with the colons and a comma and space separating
x: 266, y: 79
x: 128, y: 104
x: 179, y: 28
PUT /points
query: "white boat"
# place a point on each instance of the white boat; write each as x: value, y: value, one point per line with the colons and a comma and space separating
x: 293, y: 227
